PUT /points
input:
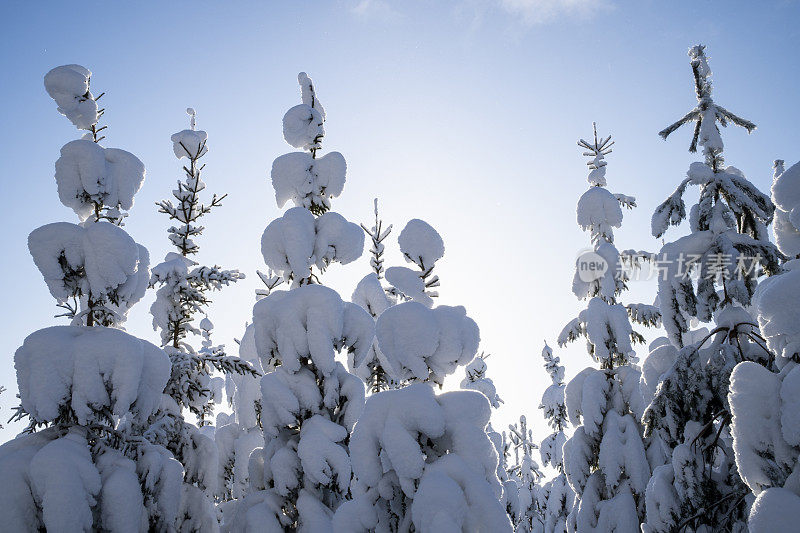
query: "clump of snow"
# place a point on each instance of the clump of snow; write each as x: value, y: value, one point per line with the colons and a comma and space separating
x: 475, y: 379
x: 786, y: 196
x: 86, y: 370
x: 295, y: 242
x: 370, y: 296
x: 426, y: 344
x: 100, y: 259
x: 421, y: 244
x: 89, y: 176
x: 409, y: 283
x: 778, y: 314
x: 68, y: 85
x: 189, y: 143
x: 774, y: 510
x: 598, y: 212
x: 307, y: 181
x: 428, y: 455
x: 309, y: 322
x: 303, y: 127
x: 308, y: 94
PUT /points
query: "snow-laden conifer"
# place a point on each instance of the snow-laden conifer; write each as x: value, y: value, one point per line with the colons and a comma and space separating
x: 555, y: 497
x: 727, y: 250
x: 420, y: 459
x: 604, y: 460
x: 309, y: 402
x: 87, y: 461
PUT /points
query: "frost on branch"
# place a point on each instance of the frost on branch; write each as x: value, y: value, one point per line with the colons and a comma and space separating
x: 294, y: 243
x: 425, y: 344
x: 90, y: 177
x: 68, y: 85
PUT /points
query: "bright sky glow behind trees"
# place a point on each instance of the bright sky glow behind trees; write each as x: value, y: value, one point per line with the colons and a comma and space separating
x: 463, y: 113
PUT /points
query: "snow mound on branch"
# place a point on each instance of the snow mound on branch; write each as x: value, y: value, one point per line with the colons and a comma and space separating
x: 66, y: 482
x: 88, y: 370
x: 598, y: 211
x: 88, y: 174
x: 189, y: 143
x: 774, y: 510
x: 68, y: 85
x: 303, y: 127
x: 309, y: 322
x: 603, y: 323
x: 661, y: 356
x: 758, y: 442
x: 453, y: 497
x: 294, y: 242
x: 421, y: 244
x: 306, y: 181
x: 778, y: 314
x: 98, y: 259
x: 426, y: 344
x: 370, y: 296
x: 476, y: 379
x: 308, y: 94
x: 786, y: 197
x: 337, y: 240
x: 409, y: 283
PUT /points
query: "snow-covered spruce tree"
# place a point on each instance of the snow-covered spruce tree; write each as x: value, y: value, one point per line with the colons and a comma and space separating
x: 82, y: 464
x: 525, y: 474
x: 764, y: 404
x: 555, y: 497
x: 727, y: 250
x: 604, y: 460
x: 422, y: 461
x: 309, y: 402
x: 182, y: 293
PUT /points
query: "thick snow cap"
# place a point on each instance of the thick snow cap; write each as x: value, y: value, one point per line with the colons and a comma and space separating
x: 421, y: 244
x: 87, y: 370
x: 68, y: 85
x: 88, y: 174
x: 307, y: 181
x: 189, y: 143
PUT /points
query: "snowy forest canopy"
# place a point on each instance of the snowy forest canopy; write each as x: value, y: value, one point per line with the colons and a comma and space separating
x: 332, y: 416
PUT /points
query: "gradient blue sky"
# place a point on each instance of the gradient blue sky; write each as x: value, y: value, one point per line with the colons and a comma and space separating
x: 462, y: 112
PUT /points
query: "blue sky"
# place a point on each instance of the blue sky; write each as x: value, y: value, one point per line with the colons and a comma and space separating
x: 464, y: 113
